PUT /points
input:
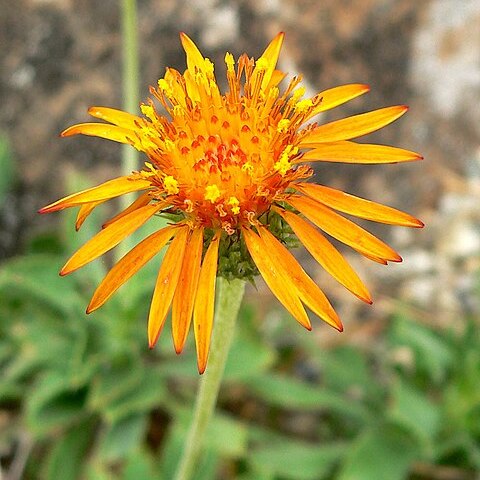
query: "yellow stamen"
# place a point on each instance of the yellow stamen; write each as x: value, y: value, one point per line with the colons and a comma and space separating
x: 165, y: 87
x: 209, y: 67
x: 298, y: 93
x: 283, y: 125
x: 303, y: 105
x: 283, y: 165
x: 230, y: 62
x: 212, y: 193
x: 170, y: 185
x: 149, y: 112
x: 262, y: 64
x: 234, y: 203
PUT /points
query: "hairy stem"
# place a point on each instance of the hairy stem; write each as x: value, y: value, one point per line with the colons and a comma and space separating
x: 229, y: 297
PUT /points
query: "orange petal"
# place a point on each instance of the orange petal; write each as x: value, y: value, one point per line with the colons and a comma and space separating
x: 205, y: 303
x: 277, y: 77
x: 85, y: 210
x: 108, y: 238
x: 351, y: 152
x: 194, y: 56
x: 167, y: 281
x: 117, y: 117
x: 333, y: 97
x: 176, y: 82
x: 307, y: 290
x: 130, y: 264
x: 271, y: 55
x: 353, y: 127
x: 279, y: 284
x: 343, y: 229
x: 382, y: 261
x: 326, y: 255
x: 359, y: 207
x: 184, y: 298
x: 141, y: 201
x: 105, y: 191
x: 102, y: 130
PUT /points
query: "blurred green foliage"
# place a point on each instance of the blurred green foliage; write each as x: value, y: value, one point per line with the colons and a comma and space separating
x: 7, y: 167
x: 82, y: 397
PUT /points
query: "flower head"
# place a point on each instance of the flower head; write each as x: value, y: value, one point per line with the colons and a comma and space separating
x: 233, y: 168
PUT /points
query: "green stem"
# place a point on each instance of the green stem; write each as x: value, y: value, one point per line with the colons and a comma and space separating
x: 131, y: 97
x: 229, y: 297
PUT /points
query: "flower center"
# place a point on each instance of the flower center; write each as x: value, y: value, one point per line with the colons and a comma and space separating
x: 220, y: 157
x: 223, y: 160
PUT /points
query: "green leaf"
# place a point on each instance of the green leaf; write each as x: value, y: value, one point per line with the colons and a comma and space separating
x: 36, y: 277
x: 180, y: 366
x: 227, y: 436
x: 98, y: 471
x: 172, y: 451
x: 6, y: 167
x: 224, y: 434
x: 139, y: 466
x: 10, y: 391
x: 461, y: 395
x: 209, y: 467
x: 415, y: 412
x: 33, y: 329
x: 148, y: 394
x: 122, y: 437
x: 296, y: 460
x: 114, y: 381
x: 66, y: 458
x: 256, y: 475
x: 287, y: 392
x: 248, y: 357
x: 45, y: 243
x: 381, y: 453
x: 432, y: 352
x: 53, y: 404
x: 345, y: 369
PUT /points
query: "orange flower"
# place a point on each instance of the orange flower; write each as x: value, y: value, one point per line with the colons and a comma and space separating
x: 233, y: 168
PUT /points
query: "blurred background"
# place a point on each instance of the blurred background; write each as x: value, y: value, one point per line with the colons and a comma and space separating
x: 396, y: 396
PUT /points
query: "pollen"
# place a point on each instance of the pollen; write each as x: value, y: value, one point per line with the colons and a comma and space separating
x: 283, y: 165
x: 212, y: 193
x: 165, y: 87
x: 298, y: 93
x: 262, y: 63
x: 170, y: 185
x: 283, y: 125
x: 234, y: 203
x: 209, y: 66
x: 149, y: 112
x: 303, y: 105
x: 230, y: 62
